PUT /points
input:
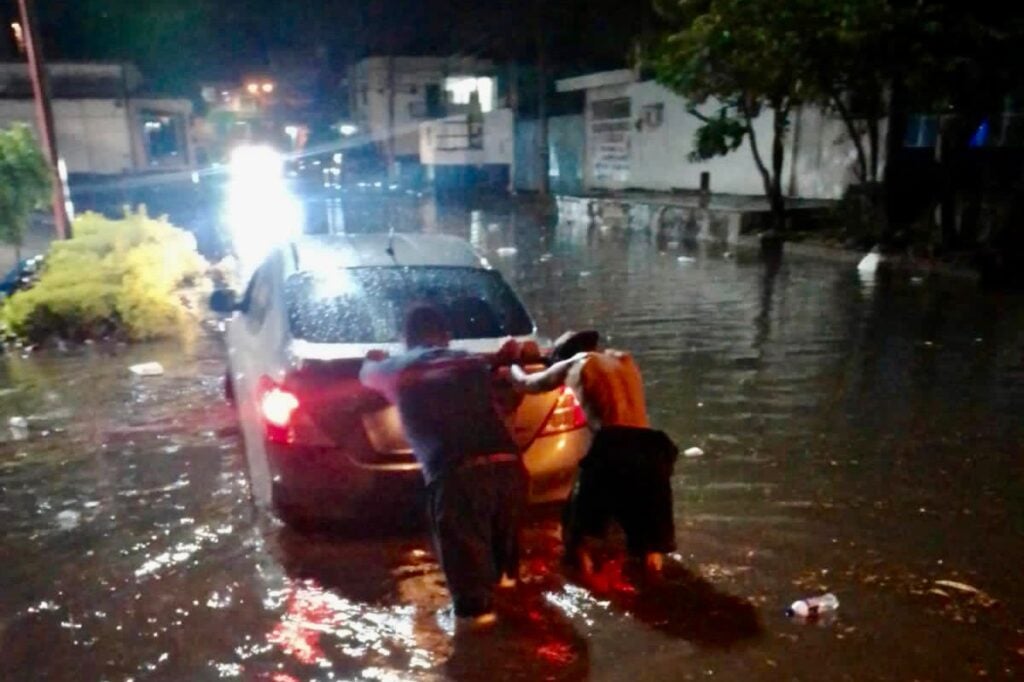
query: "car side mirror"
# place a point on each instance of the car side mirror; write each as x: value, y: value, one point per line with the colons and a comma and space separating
x: 224, y: 301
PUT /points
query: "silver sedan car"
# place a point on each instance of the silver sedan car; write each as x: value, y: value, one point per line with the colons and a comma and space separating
x: 320, y: 446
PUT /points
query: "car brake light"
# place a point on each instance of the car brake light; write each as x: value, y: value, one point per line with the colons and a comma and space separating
x: 566, y: 415
x: 277, y: 406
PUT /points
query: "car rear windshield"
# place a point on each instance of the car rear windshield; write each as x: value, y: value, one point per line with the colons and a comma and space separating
x: 367, y: 305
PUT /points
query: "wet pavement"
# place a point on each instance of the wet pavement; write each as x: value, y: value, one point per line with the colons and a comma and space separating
x: 860, y: 438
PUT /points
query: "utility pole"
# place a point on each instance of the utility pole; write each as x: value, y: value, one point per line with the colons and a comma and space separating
x: 540, y: 34
x: 44, y: 116
x: 391, y: 112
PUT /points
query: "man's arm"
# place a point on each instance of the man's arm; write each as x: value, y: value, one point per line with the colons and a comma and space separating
x: 377, y: 376
x: 542, y: 382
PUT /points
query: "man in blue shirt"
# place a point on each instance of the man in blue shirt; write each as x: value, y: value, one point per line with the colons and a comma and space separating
x: 476, y: 483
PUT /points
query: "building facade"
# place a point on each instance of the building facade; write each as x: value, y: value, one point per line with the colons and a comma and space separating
x: 102, y: 122
x: 390, y: 96
x: 639, y: 135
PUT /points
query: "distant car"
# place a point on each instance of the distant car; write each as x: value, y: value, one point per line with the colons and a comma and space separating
x: 320, y: 446
x: 22, y: 276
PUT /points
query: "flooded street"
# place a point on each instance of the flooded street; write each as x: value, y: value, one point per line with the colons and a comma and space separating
x: 863, y: 438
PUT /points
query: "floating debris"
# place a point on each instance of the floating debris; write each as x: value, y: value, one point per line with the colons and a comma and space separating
x: 147, y: 369
x: 869, y: 264
x: 959, y: 586
x: 19, y: 428
x: 686, y: 259
x: 693, y: 452
x: 68, y: 519
x: 507, y: 251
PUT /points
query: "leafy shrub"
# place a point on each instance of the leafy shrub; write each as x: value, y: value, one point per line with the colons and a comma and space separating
x: 113, y: 278
x: 24, y: 181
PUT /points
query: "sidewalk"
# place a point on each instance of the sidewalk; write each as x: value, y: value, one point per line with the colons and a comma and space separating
x: 721, y: 218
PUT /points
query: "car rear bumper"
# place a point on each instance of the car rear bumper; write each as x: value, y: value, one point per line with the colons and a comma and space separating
x: 551, y: 462
x: 325, y: 484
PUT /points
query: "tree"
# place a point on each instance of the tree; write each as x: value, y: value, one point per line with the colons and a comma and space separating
x: 746, y: 56
x: 851, y: 48
x: 24, y: 183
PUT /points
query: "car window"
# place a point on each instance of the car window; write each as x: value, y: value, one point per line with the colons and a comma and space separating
x: 367, y: 305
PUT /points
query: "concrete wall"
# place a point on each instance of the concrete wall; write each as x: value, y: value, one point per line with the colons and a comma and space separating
x: 654, y: 156
x: 92, y: 134
x: 98, y: 136
x: 527, y: 170
x: 498, y: 141
x: 369, y: 88
x: 566, y: 143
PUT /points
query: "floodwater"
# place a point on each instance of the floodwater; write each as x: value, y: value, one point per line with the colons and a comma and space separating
x: 863, y: 438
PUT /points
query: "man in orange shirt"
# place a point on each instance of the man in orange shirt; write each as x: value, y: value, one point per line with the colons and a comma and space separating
x: 625, y: 476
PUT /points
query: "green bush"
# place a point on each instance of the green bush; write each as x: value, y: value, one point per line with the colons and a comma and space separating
x: 24, y: 182
x: 113, y: 278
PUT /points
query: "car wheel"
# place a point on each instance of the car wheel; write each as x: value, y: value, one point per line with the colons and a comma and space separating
x: 292, y: 515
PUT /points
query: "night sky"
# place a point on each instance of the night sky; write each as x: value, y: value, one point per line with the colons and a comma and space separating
x: 178, y: 42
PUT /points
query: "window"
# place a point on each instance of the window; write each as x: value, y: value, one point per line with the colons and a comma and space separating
x: 653, y: 115
x: 161, y: 137
x: 922, y: 131
x: 611, y: 109
x: 368, y: 305
x: 464, y: 90
x: 418, y: 110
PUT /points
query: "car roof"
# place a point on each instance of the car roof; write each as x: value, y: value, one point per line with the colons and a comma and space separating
x: 323, y: 252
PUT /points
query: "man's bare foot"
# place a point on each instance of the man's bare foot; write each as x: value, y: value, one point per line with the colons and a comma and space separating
x: 654, y: 562
x: 586, y: 563
x: 485, y: 621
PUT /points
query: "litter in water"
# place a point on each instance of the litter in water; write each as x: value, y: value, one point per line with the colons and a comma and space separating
x: 147, y: 369
x: 693, y: 452
x: 813, y: 607
x: 507, y: 250
x: 68, y: 519
x: 19, y: 428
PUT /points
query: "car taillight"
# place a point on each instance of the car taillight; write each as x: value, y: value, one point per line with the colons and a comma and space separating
x: 567, y: 415
x: 277, y: 406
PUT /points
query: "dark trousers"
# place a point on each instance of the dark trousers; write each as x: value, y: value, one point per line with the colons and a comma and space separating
x: 625, y: 477
x: 475, y: 512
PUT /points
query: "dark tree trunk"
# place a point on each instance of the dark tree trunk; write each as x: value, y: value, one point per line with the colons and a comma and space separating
x: 894, y: 157
x: 851, y: 130
x: 776, y: 197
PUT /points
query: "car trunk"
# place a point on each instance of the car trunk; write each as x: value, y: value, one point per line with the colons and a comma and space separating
x: 338, y: 411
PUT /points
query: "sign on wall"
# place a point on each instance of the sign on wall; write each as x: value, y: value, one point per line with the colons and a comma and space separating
x: 610, y: 124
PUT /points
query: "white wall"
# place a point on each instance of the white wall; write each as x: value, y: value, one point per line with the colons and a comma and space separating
x: 92, y: 134
x: 499, y: 142
x: 409, y: 73
x: 658, y: 156
x: 826, y: 159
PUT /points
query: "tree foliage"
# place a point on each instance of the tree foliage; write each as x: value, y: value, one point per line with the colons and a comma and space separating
x: 114, y: 277
x: 24, y: 182
x: 746, y: 56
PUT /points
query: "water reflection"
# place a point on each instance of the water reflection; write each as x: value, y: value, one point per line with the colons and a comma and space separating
x: 866, y: 444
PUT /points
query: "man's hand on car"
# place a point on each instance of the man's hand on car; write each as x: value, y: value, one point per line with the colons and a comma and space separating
x: 377, y: 355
